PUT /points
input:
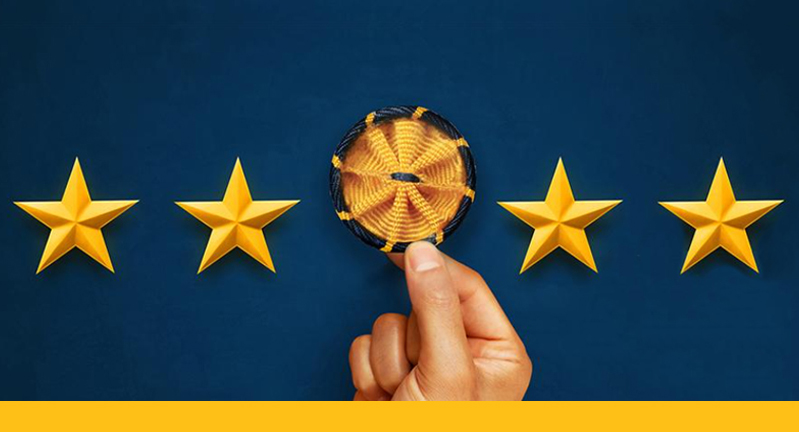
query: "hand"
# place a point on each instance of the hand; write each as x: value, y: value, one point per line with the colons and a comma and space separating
x: 457, y: 344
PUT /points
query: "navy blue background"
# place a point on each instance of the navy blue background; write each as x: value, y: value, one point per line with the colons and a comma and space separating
x: 640, y: 99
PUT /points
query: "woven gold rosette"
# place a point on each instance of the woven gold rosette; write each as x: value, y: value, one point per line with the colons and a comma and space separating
x: 400, y: 175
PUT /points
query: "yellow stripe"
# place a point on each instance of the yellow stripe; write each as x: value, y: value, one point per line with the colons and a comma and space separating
x: 387, y: 247
x: 370, y: 119
x: 336, y: 161
x: 214, y: 416
x: 344, y: 215
x: 439, y: 237
x: 418, y: 113
x: 469, y: 193
x: 462, y: 142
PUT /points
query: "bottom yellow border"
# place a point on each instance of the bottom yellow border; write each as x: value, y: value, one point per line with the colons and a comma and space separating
x: 378, y: 417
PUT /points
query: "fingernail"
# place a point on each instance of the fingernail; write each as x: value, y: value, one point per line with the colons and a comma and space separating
x: 423, y: 257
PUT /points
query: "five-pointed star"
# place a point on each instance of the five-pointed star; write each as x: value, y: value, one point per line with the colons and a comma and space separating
x: 75, y: 221
x: 559, y: 221
x: 237, y: 221
x: 720, y: 221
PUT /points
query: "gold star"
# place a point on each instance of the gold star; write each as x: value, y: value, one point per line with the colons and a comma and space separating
x: 237, y: 221
x: 75, y: 221
x: 720, y: 221
x: 559, y: 221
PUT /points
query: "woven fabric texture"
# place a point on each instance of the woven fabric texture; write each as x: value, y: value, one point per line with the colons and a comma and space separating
x: 401, y: 175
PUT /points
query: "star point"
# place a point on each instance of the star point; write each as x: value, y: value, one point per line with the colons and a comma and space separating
x: 559, y: 221
x: 720, y: 221
x: 237, y: 221
x: 75, y: 221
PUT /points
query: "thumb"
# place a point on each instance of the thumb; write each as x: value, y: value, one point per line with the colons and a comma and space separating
x: 444, y: 352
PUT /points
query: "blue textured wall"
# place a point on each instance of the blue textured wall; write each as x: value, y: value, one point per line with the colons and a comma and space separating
x: 640, y: 99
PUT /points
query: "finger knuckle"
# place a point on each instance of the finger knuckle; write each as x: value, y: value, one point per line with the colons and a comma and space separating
x: 357, y: 343
x: 527, y: 366
x: 389, y: 321
x: 521, y: 354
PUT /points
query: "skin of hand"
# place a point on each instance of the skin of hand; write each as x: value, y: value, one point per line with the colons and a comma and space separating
x: 457, y: 343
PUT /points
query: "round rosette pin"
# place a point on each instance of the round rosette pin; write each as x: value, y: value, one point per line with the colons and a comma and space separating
x: 402, y: 174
